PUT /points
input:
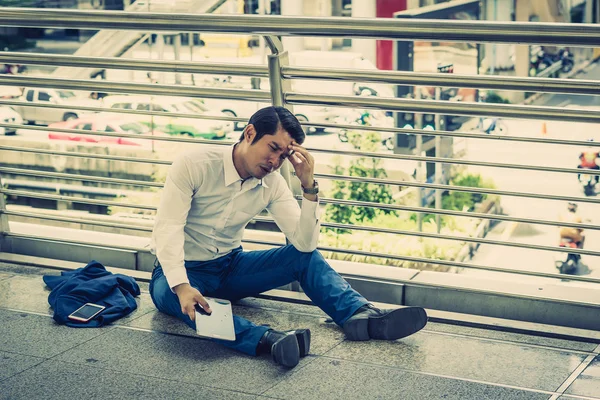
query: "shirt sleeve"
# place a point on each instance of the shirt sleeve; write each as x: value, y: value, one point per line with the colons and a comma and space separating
x: 300, y: 225
x: 168, y: 234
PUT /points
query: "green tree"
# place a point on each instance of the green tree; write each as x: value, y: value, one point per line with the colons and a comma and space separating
x: 363, y: 167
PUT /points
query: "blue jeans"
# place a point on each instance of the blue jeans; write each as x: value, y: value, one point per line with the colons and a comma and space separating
x: 241, y: 274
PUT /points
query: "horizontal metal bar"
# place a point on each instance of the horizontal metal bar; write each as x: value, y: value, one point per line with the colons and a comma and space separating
x: 331, y: 151
x: 455, y: 161
x: 179, y: 139
x: 447, y: 107
x: 24, y: 193
x: 320, y: 175
x: 547, y: 85
x: 586, y: 35
x: 85, y: 155
x: 470, y: 189
x: 419, y: 132
x: 77, y: 220
x: 135, y: 88
x: 323, y: 224
x: 324, y: 200
x: 9, y: 102
x: 460, y: 134
x: 438, y: 236
x: 345, y: 251
x: 397, y: 207
x: 62, y: 60
x: 454, y: 264
x: 88, y: 178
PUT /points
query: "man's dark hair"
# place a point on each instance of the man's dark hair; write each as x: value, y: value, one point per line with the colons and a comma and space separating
x: 268, y: 120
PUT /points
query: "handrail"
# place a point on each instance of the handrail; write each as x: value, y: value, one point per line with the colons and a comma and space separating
x: 544, y: 113
x: 394, y: 207
x: 137, y: 88
x: 354, y: 153
x: 420, y: 132
x: 119, y: 110
x: 547, y: 85
x: 357, y: 252
x: 585, y: 35
x: 62, y: 60
x: 392, y: 104
x: 379, y: 181
x: 340, y: 226
x: 539, y: 84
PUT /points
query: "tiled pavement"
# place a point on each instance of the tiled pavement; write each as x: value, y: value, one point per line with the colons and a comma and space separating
x: 152, y: 356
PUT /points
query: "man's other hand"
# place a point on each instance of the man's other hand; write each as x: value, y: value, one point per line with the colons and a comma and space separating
x: 188, y: 298
x: 303, y: 163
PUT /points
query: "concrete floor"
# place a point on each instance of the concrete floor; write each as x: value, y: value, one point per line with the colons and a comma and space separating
x: 152, y: 356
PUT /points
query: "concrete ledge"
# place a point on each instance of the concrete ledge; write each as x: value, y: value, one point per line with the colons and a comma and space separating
x: 554, y: 304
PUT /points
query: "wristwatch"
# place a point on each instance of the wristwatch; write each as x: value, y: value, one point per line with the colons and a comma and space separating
x: 312, y: 190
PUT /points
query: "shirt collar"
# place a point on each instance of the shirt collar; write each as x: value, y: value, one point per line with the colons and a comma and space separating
x: 231, y: 174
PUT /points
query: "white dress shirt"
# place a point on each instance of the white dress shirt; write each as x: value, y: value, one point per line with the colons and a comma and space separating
x: 205, y: 206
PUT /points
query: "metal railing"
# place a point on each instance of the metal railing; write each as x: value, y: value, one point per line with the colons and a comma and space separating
x: 280, y: 75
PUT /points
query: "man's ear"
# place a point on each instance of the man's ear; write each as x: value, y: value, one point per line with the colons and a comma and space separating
x: 249, y: 133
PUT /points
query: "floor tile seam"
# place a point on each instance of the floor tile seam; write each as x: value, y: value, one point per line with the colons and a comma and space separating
x: 110, y: 326
x: 541, y: 391
x: 114, y: 324
x: 131, y: 319
x: 511, y: 342
x: 576, y: 373
x: 574, y: 396
x: 16, y: 310
x: 101, y: 332
x: 41, y: 361
x: 146, y: 330
x: 191, y: 336
x: 117, y: 371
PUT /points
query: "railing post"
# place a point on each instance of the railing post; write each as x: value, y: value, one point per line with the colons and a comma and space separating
x: 438, y: 165
x: 420, y: 172
x: 279, y: 86
x: 3, y: 221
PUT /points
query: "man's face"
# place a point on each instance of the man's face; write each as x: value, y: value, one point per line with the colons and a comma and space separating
x: 267, y: 154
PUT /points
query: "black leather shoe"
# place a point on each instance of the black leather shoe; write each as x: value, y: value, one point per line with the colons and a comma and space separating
x: 285, y: 347
x: 369, y: 322
x: 303, y: 338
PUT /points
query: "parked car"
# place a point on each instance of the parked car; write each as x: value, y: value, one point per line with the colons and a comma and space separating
x: 9, y: 116
x: 203, y: 128
x: 104, y: 123
x: 45, y: 115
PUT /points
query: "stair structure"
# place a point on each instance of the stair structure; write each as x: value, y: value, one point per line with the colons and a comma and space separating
x: 110, y: 43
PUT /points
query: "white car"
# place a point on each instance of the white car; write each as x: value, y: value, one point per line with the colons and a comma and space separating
x: 203, y: 128
x: 9, y: 116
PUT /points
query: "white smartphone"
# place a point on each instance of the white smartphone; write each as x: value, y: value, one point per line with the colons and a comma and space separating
x: 86, y: 312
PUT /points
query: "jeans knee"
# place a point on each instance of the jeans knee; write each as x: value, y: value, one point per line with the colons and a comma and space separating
x: 307, y: 260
